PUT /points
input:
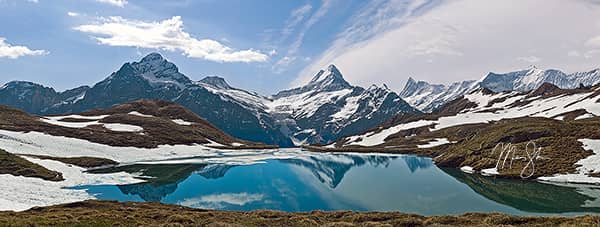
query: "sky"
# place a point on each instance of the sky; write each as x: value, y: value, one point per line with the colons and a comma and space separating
x: 270, y: 45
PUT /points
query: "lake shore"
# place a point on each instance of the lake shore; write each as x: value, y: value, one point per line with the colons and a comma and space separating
x: 109, y: 213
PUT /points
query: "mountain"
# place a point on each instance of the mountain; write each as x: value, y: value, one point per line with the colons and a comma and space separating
x: 532, y: 78
x: 322, y: 111
x: 428, y: 97
x: 328, y: 107
x: 153, y: 77
x: 35, y: 98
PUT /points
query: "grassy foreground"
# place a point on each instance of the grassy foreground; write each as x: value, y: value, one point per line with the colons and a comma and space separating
x: 110, y: 213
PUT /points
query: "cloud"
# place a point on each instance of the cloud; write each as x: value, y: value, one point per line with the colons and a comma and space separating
x: 445, y: 41
x: 593, y: 42
x: 13, y: 52
x: 281, y: 65
x: 312, y: 20
x: 34, y: 1
x: 573, y: 53
x: 165, y: 35
x: 119, y: 3
x: 529, y: 59
x: 72, y: 14
x: 295, y: 18
x: 219, y: 201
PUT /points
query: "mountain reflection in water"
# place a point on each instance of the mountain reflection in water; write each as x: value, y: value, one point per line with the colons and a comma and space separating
x: 344, y: 181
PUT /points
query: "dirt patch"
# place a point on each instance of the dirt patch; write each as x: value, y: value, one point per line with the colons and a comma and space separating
x: 17, y: 166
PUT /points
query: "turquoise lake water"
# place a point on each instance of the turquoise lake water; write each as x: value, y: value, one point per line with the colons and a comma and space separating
x: 346, y: 182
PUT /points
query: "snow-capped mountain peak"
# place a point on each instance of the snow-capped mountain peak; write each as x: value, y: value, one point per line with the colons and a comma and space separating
x: 329, y: 80
x: 427, y: 97
x: 154, y: 69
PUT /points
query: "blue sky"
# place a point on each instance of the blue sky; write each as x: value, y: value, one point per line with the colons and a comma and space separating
x: 269, y: 45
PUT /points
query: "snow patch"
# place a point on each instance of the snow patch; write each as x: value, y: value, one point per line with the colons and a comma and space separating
x: 123, y: 127
x: 376, y: 138
x: 23, y: 193
x: 489, y: 172
x: 181, y: 122
x: 139, y: 114
x: 434, y: 143
x: 590, y: 164
x: 467, y: 169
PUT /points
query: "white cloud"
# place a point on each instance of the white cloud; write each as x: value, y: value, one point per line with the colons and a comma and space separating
x: 312, y: 20
x: 219, y: 201
x: 119, y: 3
x: 13, y: 52
x: 72, y: 14
x: 284, y: 62
x: 295, y: 18
x: 593, y: 42
x: 447, y: 41
x: 573, y: 53
x: 529, y: 59
x: 34, y: 1
x: 165, y: 35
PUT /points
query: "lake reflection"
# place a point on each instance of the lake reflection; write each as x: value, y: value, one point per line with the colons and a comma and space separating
x: 316, y: 181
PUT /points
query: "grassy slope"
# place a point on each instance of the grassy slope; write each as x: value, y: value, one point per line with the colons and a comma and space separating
x: 158, y: 130
x: 17, y: 166
x: 109, y: 213
x: 85, y: 162
x: 475, y: 142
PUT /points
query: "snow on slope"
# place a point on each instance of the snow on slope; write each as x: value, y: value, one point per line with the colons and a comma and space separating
x: 376, y: 138
x: 304, y: 105
x: 482, y: 113
x: 219, y: 86
x: 428, y: 97
x: 56, y: 120
x: 23, y: 193
x: 588, y: 165
x: 122, y: 127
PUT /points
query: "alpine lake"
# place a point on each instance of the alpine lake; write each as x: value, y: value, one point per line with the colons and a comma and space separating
x: 342, y: 181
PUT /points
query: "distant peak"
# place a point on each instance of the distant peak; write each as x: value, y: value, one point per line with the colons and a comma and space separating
x: 332, y: 68
x: 152, y: 57
x: 331, y: 75
x: 20, y: 83
x: 216, y: 81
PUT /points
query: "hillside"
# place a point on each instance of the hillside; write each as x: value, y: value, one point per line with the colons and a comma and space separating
x: 141, y: 124
x: 489, y: 132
